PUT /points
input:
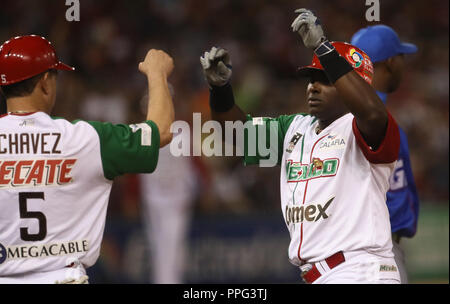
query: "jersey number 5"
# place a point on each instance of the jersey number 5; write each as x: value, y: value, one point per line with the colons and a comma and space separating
x: 24, y: 213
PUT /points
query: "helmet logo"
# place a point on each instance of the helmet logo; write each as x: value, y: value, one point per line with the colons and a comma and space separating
x: 355, y: 58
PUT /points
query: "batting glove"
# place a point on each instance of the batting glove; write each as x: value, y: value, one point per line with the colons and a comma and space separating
x: 307, y: 25
x: 216, y: 66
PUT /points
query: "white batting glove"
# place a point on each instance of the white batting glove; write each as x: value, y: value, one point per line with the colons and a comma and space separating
x: 216, y: 66
x: 307, y: 25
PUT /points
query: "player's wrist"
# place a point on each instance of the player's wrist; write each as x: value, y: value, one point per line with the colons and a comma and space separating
x: 221, y: 98
x: 324, y: 47
x: 334, y: 65
x: 156, y: 79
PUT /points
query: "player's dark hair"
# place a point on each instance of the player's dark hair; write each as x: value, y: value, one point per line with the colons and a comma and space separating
x: 2, y: 103
x: 24, y: 87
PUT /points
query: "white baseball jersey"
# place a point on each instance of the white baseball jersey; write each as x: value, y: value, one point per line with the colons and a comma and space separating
x: 333, y: 186
x: 55, y: 181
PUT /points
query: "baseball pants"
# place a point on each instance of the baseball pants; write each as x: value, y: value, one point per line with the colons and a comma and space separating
x: 360, y: 267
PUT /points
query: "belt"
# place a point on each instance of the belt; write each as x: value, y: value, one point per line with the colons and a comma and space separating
x: 332, y: 261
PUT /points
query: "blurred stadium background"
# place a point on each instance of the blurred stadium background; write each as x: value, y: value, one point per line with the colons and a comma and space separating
x: 236, y: 233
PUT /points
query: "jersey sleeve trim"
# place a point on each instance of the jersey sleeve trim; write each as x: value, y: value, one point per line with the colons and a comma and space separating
x: 271, y: 127
x: 388, y: 151
x: 126, y: 148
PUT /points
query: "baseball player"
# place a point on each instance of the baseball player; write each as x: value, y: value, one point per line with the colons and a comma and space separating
x: 335, y: 161
x: 56, y: 175
x: 386, y: 51
x: 167, y: 199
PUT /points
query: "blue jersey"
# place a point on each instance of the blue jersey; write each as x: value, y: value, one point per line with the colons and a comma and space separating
x: 402, y: 199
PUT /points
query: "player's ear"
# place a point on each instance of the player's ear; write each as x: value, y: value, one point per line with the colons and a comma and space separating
x: 46, y: 83
x: 390, y: 64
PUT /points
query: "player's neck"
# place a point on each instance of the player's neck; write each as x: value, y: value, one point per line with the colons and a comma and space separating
x: 323, y: 123
x: 26, y: 104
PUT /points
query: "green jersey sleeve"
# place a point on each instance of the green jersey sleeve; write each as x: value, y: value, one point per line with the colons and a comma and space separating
x: 263, y: 139
x: 127, y: 148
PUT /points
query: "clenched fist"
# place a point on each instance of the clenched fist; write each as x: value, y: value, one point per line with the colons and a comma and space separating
x: 307, y: 25
x: 216, y: 66
x: 156, y: 63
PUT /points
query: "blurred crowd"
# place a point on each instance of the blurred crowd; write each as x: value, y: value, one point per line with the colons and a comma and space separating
x: 112, y: 36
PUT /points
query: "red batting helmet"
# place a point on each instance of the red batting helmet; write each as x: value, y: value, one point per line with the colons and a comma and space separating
x: 23, y: 57
x: 359, y: 60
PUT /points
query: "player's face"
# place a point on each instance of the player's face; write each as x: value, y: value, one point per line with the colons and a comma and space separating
x: 323, y: 98
x: 397, y: 65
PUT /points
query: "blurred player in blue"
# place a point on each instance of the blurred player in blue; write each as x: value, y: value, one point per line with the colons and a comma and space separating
x: 387, y: 53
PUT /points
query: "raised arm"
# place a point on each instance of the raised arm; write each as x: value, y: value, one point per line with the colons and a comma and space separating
x: 358, y: 96
x: 158, y: 66
x: 370, y: 114
x: 217, y: 68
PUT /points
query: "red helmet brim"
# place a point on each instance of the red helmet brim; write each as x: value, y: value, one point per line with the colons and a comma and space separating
x: 63, y: 66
